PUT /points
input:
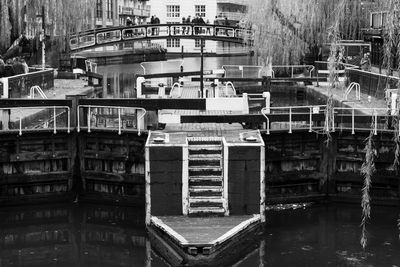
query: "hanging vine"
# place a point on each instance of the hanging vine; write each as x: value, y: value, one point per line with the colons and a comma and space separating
x: 287, y: 29
x: 367, y: 170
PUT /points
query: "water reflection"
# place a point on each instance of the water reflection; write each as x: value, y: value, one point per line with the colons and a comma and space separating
x: 120, y: 79
x: 74, y: 235
x: 100, y: 235
x: 328, y: 236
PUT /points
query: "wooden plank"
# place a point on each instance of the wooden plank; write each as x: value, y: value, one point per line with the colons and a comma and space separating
x: 236, y: 230
x: 168, y: 230
x: 37, y: 156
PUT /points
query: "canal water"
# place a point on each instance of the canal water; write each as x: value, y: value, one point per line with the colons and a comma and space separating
x: 100, y: 235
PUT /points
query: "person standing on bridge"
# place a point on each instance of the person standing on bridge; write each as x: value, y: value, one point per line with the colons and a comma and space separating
x: 157, y: 21
x: 188, y: 20
x: 183, y: 27
x: 128, y: 21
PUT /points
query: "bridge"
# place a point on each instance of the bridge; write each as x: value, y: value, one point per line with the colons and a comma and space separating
x: 106, y: 36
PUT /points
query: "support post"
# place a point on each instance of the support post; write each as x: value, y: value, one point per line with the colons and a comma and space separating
x: 139, y: 86
x: 74, y: 109
x: 43, y: 40
x: 202, y: 68
x: 267, y: 96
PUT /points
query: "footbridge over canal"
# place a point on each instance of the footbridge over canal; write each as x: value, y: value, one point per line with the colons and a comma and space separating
x: 108, y: 36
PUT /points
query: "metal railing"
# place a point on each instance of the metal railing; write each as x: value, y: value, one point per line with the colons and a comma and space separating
x: 242, y: 69
x: 309, y: 68
x: 293, y: 110
x: 343, y: 118
x: 139, y: 118
x: 54, y: 117
x: 172, y: 92
x: 352, y: 86
x: 227, y: 85
x: 373, y: 113
x: 38, y: 90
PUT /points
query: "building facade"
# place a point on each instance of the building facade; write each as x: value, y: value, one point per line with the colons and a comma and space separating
x: 137, y: 10
x: 173, y: 11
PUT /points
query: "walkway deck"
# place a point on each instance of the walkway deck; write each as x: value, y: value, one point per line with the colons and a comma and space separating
x: 202, y: 231
x: 360, y: 106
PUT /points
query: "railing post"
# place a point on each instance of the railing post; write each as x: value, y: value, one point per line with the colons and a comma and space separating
x: 290, y: 119
x: 140, y: 120
x: 311, y: 122
x: 119, y: 120
x: 267, y: 96
x: 393, y: 104
x: 216, y: 88
x: 55, y: 119
x: 139, y: 87
x: 352, y: 121
x: 88, y: 119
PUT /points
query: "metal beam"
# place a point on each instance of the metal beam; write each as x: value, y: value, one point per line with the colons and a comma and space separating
x: 15, y: 103
x: 148, y: 104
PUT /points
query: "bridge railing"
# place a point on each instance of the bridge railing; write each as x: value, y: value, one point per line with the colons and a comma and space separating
x: 150, y: 31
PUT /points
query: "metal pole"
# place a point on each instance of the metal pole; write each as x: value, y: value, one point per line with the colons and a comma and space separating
x: 201, y: 67
x: 43, y: 40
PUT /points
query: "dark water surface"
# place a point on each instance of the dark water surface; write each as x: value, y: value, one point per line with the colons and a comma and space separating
x: 101, y: 235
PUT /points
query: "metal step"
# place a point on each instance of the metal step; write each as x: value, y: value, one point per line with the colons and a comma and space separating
x: 205, y: 202
x: 199, y: 162
x: 205, y: 181
x: 206, y: 192
x: 206, y: 211
x: 205, y: 150
x: 193, y: 172
x: 206, y: 188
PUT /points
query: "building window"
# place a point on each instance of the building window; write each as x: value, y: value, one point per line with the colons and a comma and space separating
x: 110, y: 9
x: 173, y: 42
x: 200, y: 10
x: 99, y: 9
x: 173, y: 11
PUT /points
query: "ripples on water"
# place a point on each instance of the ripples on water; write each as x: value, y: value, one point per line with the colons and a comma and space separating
x: 100, y: 235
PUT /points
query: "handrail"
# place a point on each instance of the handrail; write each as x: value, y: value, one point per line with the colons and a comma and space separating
x: 20, y: 109
x: 312, y: 68
x: 263, y: 112
x: 39, y: 91
x: 173, y: 88
x: 374, y: 114
x: 314, y: 109
x: 226, y: 88
x: 119, y: 116
x: 350, y: 88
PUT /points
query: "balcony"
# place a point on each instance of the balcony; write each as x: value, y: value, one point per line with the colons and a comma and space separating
x: 237, y: 16
x: 234, y: 2
x: 139, y: 12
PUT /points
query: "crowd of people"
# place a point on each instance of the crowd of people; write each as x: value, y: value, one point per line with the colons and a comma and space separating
x: 13, y: 67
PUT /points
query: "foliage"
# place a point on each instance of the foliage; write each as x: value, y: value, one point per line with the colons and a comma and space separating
x: 5, y: 25
x: 62, y: 17
x: 367, y: 170
x: 287, y: 29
